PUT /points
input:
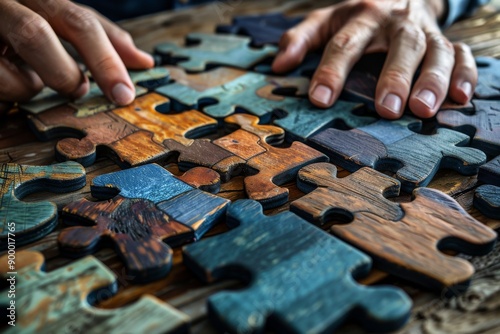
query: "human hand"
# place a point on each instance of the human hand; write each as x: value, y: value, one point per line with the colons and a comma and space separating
x: 31, y: 54
x: 407, y: 30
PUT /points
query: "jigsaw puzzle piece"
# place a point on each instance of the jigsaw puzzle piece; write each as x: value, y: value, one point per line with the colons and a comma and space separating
x: 262, y: 29
x: 488, y: 84
x: 391, y: 145
x: 205, y: 50
x: 151, y: 207
x: 94, y: 101
x: 26, y: 222
x: 483, y: 126
x: 62, y: 300
x: 487, y: 197
x: 299, y: 277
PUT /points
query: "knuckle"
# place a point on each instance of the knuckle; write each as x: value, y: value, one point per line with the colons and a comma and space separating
x: 80, y: 20
x: 412, y: 34
x: 64, y: 82
x: 106, y: 63
x: 345, y: 42
x: 328, y: 74
x: 32, y: 32
x: 438, y: 79
x: 462, y: 47
x: 397, y: 77
x: 438, y: 41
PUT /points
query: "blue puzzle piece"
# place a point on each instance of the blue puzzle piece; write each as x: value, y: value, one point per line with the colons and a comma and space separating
x: 487, y: 197
x: 300, y: 278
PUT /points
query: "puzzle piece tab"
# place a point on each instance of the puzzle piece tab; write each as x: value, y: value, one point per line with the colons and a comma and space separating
x: 151, y: 207
x: 487, y: 197
x: 483, y: 126
x: 405, y: 239
x: 62, y: 300
x: 205, y: 50
x: 299, y: 277
x: 391, y: 145
x: 26, y: 222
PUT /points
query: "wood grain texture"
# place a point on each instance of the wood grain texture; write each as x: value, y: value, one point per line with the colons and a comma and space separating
x: 23, y: 222
x: 410, y: 247
x: 391, y: 145
x: 315, y: 297
x: 204, y: 50
x: 61, y: 301
x: 483, y: 126
x: 487, y: 197
x: 152, y: 207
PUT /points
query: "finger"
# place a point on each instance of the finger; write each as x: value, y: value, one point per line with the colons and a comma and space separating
x: 83, y: 30
x: 431, y: 88
x: 341, y: 53
x: 17, y: 84
x: 464, y: 77
x: 37, y: 44
x: 298, y: 41
x: 406, y: 50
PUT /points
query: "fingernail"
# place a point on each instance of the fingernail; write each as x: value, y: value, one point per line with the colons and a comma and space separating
x: 466, y: 87
x: 122, y: 94
x: 428, y: 98
x: 392, y: 102
x: 322, y: 94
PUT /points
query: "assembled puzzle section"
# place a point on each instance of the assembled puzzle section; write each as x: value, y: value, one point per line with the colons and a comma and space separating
x: 391, y: 145
x: 203, y: 51
x: 26, y: 222
x: 405, y: 239
x: 247, y: 150
x: 144, y: 211
x: 487, y: 197
x: 298, y: 278
x: 483, y: 125
x: 61, y: 301
x: 488, y: 84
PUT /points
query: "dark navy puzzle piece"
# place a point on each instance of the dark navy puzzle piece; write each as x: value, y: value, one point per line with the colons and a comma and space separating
x: 391, y: 145
x: 487, y: 197
x: 488, y: 84
x: 203, y: 51
x: 300, y: 278
x: 151, y: 206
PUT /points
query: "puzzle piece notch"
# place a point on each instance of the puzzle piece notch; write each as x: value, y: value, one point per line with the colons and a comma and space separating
x: 281, y: 258
x: 138, y: 219
x: 46, y: 296
x: 31, y: 221
x: 366, y: 190
x: 483, y: 126
x: 391, y: 145
x: 205, y: 50
x: 487, y: 197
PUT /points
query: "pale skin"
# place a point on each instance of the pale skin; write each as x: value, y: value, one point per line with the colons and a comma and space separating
x: 32, y: 55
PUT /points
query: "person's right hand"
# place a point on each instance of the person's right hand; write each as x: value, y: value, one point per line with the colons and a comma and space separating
x: 32, y: 56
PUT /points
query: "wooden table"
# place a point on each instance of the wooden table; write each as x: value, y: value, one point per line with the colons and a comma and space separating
x: 477, y: 310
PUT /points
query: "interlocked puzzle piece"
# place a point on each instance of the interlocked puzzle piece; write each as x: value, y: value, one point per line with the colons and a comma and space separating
x: 253, y: 93
x: 61, y: 301
x: 26, y: 222
x: 299, y: 277
x: 94, y: 101
x: 483, y: 126
x: 247, y: 148
x: 405, y: 239
x: 488, y: 84
x: 262, y: 29
x: 205, y: 50
x: 132, y: 135
x: 152, y: 206
x: 487, y: 197
x: 391, y: 145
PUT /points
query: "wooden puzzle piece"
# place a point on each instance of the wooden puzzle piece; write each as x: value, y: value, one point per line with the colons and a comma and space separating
x: 405, y: 239
x: 152, y: 207
x: 26, y: 222
x: 488, y: 84
x: 487, y: 197
x: 62, y: 300
x: 298, y: 278
x: 262, y: 29
x: 391, y: 145
x: 265, y: 166
x: 255, y: 93
x: 94, y: 101
x: 205, y: 50
x: 483, y: 126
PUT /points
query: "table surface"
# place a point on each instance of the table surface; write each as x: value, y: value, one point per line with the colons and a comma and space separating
x: 474, y: 312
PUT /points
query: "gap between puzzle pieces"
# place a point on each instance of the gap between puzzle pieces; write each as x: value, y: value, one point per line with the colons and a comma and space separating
x: 144, y: 211
x: 487, y: 197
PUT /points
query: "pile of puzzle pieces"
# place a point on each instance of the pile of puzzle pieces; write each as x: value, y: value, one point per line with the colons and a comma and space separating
x: 213, y: 109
